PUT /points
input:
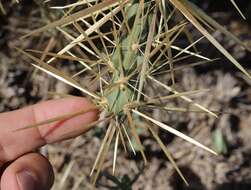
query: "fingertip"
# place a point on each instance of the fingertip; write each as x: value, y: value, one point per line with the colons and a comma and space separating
x: 57, y: 107
x: 83, y: 103
x: 54, y: 108
x: 64, y: 129
x: 14, y: 142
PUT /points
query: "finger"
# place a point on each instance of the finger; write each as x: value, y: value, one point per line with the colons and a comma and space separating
x: 29, y: 172
x: 15, y: 143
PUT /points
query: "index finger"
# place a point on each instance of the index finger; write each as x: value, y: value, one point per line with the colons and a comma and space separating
x: 14, y: 142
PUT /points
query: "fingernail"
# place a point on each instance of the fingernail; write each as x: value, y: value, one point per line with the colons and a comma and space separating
x: 26, y: 180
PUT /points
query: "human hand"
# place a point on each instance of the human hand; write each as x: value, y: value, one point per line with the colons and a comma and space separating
x: 23, y: 169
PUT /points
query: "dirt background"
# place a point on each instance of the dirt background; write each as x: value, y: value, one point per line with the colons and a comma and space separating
x: 230, y: 93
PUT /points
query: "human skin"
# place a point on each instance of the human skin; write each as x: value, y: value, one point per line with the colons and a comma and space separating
x: 21, y: 167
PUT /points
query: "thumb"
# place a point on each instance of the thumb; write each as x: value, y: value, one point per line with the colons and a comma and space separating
x: 29, y: 172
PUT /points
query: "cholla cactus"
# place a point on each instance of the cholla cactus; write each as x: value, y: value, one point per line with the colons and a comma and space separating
x: 125, y: 45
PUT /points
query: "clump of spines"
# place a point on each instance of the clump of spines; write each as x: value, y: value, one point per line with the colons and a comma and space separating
x: 124, y: 46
